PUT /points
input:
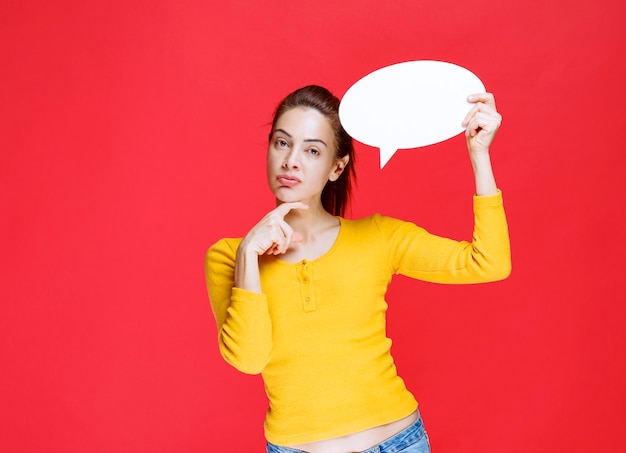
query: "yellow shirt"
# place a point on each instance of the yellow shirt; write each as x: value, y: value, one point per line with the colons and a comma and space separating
x: 317, y: 333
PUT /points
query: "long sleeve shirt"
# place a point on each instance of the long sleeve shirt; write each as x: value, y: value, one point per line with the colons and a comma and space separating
x: 317, y: 331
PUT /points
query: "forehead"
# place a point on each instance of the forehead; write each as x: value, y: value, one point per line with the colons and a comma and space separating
x: 305, y: 123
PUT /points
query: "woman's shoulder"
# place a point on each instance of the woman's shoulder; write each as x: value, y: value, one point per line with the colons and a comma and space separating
x: 375, y: 224
x: 223, y: 249
x: 375, y: 220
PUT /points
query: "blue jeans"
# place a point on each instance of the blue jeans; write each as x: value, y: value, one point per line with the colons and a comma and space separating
x: 413, y: 439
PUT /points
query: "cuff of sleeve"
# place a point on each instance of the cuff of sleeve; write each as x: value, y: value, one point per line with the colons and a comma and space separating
x: 244, y: 295
x: 490, y: 200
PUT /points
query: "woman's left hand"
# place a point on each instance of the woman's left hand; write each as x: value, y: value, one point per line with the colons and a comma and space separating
x: 481, y: 123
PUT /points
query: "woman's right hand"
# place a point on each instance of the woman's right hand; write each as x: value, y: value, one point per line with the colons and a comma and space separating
x: 272, y: 235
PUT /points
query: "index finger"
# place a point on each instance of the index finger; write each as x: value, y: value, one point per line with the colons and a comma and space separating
x: 284, y: 208
x: 485, y: 98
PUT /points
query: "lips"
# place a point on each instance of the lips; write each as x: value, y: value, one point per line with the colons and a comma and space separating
x: 288, y: 180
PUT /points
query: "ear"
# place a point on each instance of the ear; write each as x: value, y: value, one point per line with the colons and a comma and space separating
x: 340, y: 165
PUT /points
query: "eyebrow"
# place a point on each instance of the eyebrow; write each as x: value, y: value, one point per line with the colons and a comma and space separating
x: 307, y: 140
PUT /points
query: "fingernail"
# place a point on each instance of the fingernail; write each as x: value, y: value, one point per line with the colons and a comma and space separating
x: 470, y: 98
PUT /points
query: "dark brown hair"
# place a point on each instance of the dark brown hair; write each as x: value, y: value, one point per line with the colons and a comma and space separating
x: 336, y: 194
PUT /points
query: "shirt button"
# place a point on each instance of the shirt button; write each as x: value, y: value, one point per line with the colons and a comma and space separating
x: 306, y: 299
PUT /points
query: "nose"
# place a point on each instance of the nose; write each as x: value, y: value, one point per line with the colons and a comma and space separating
x: 292, y: 160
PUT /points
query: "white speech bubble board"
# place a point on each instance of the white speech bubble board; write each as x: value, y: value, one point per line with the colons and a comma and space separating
x: 408, y: 105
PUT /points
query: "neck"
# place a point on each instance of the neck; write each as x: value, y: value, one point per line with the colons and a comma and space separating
x: 308, y: 222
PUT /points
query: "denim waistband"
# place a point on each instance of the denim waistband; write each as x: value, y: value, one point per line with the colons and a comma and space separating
x: 410, y: 436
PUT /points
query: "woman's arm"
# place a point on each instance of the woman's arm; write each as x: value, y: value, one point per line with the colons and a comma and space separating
x: 416, y: 253
x: 242, y: 317
x: 234, y: 286
x: 482, y: 123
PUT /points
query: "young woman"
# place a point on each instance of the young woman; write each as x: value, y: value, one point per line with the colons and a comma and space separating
x: 300, y: 298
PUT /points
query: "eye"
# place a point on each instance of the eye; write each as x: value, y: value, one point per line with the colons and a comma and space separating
x: 281, y: 143
x: 314, y: 152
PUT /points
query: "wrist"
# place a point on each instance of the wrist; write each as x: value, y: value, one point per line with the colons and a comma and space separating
x: 245, y: 253
x: 247, y: 270
x: 483, y: 174
x: 478, y: 156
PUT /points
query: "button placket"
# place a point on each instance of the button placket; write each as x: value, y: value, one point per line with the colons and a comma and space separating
x: 306, y: 286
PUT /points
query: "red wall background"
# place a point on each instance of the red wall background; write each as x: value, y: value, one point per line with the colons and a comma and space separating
x: 132, y: 137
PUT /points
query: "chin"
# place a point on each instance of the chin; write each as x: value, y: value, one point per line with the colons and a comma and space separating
x: 285, y: 196
x: 287, y: 199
